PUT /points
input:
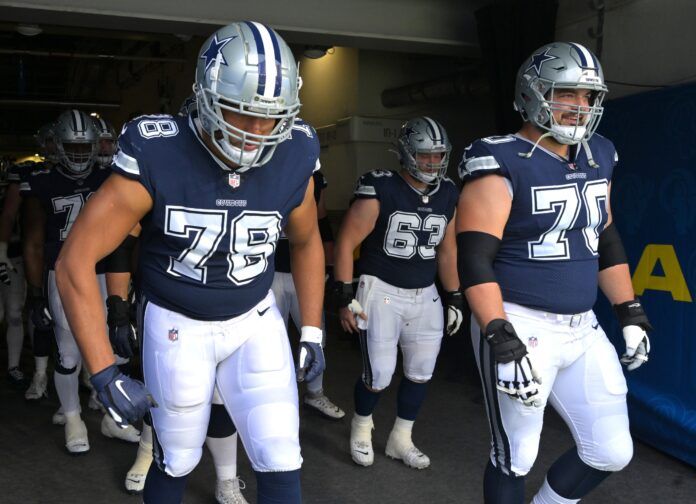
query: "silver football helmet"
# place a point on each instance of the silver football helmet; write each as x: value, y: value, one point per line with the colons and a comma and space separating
x: 106, y: 141
x: 246, y: 68
x: 560, y: 65
x: 46, y: 141
x: 424, y: 135
x: 76, y: 140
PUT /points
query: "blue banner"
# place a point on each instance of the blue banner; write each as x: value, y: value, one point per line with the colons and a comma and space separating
x: 653, y: 200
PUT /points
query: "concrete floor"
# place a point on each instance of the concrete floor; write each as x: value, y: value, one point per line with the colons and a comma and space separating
x: 452, y: 430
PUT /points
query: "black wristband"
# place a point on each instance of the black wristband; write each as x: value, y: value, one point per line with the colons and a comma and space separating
x: 632, y: 313
x: 455, y: 298
x: 343, y: 293
x: 506, y: 346
x: 117, y: 311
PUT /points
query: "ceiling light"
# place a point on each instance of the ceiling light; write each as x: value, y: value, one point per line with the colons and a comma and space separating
x: 315, y: 51
x: 28, y: 30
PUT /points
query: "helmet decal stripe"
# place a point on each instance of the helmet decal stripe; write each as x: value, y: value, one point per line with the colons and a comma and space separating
x: 278, y: 63
x: 270, y: 63
x: 586, y: 58
x: 75, y: 116
x: 434, y: 129
x: 260, y: 50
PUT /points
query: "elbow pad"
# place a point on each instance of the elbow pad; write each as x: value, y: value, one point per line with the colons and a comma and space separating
x: 119, y: 261
x: 476, y: 253
x: 611, y: 250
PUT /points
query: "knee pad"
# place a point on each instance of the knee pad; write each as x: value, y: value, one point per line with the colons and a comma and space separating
x: 273, y: 432
x: 61, y: 369
x: 14, y: 320
x: 613, y: 454
x: 181, y: 462
x: 220, y: 424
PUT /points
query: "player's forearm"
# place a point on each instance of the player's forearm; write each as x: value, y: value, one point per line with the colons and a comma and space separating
x: 343, y: 260
x: 486, y: 302
x: 117, y: 284
x: 447, y: 269
x: 307, y: 260
x: 33, y: 263
x: 83, y: 304
x: 616, y: 285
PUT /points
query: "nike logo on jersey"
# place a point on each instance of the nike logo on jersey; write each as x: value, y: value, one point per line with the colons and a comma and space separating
x: 435, y: 300
x: 595, y: 326
x: 263, y: 312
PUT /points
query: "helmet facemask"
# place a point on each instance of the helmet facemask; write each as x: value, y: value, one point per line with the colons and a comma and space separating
x: 241, y: 147
x: 428, y: 172
x: 77, y: 157
x: 106, y: 148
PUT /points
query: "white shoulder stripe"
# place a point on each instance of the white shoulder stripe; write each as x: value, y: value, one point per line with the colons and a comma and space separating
x: 366, y: 191
x: 481, y: 163
x: 24, y: 186
x: 126, y: 163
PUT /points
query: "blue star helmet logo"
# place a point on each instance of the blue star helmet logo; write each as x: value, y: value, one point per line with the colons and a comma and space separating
x: 215, y: 48
x: 539, y: 59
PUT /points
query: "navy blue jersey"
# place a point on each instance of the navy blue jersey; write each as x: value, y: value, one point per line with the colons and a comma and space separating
x: 548, y: 255
x: 207, y: 245
x: 282, y: 255
x: 400, y: 250
x: 62, y: 198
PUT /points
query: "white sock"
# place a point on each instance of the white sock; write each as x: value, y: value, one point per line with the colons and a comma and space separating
x: 67, y: 388
x: 403, y: 425
x: 41, y: 364
x: 362, y: 421
x: 15, y: 336
x: 73, y: 416
x: 547, y: 495
x: 224, y: 452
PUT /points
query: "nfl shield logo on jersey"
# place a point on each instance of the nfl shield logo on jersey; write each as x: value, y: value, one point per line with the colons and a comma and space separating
x: 173, y: 334
x: 532, y: 342
x: 234, y: 179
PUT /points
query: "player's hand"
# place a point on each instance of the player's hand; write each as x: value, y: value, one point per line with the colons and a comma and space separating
x: 5, y: 265
x: 127, y: 400
x: 516, y: 375
x: 635, y: 326
x: 310, y: 359
x: 121, y: 331
x: 348, y: 307
x: 39, y: 313
x: 454, y: 301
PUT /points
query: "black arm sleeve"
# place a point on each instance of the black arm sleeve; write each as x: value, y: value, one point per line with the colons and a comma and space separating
x: 476, y: 252
x: 119, y: 261
x: 611, y: 249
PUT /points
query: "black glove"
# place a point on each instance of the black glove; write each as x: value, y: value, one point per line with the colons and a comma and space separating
x: 38, y: 309
x: 121, y: 332
x: 632, y: 313
x: 454, y: 301
x: 127, y: 400
x: 506, y: 346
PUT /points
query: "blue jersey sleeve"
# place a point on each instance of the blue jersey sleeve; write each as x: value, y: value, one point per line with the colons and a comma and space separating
x: 131, y: 159
x: 31, y: 182
x: 452, y: 196
x: 480, y: 159
x: 370, y: 184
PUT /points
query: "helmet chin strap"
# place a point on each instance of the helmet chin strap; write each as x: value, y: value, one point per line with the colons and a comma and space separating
x: 528, y: 155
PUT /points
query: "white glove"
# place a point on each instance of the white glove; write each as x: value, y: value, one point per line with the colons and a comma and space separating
x: 520, y: 380
x: 637, y: 347
x: 5, y: 265
x: 455, y: 311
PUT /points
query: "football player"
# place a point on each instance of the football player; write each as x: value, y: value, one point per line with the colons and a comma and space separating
x: 52, y: 201
x: 13, y: 286
x: 106, y: 141
x: 212, y: 194
x: 535, y: 240
x: 286, y: 296
x: 221, y: 438
x: 404, y: 222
